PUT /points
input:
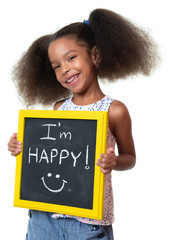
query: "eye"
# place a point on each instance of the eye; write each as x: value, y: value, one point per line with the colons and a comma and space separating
x: 71, y: 58
x: 56, y: 67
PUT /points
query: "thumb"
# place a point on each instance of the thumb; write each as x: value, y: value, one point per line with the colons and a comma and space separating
x: 14, y: 136
x: 110, y: 150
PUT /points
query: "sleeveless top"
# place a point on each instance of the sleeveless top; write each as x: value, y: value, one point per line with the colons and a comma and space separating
x: 108, y: 209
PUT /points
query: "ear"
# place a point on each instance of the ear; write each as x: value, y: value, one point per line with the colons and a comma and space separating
x: 95, y: 53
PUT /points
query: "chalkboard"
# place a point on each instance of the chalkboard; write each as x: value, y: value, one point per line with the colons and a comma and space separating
x: 57, y: 170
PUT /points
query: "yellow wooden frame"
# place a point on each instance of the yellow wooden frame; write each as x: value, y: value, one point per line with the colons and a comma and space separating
x: 101, y: 138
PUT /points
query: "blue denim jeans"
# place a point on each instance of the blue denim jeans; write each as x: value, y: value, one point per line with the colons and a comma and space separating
x: 43, y: 227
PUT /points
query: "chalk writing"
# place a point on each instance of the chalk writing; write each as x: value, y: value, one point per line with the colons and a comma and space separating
x: 56, y: 155
x: 48, y: 137
x: 53, y: 190
x: 87, y: 150
x: 38, y: 156
x: 61, y: 134
x: 65, y: 135
x: 58, y: 161
x: 33, y: 155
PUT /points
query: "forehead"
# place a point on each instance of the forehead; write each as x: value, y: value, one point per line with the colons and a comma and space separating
x: 65, y: 44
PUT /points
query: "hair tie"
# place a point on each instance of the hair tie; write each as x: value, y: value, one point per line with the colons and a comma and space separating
x: 86, y: 22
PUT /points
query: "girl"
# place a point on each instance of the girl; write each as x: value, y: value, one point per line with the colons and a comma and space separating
x: 64, y: 68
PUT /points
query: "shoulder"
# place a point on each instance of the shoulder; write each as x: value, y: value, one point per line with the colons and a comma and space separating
x: 118, y: 109
x: 58, y: 104
x: 118, y: 115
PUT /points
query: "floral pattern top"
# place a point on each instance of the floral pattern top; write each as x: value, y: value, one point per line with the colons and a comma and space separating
x: 108, y: 210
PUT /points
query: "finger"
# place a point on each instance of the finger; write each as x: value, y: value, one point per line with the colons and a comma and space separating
x: 110, y: 150
x: 104, y: 161
x: 106, y: 164
x: 14, y: 136
x: 14, y: 154
x: 14, y: 146
x: 14, y: 142
x: 110, y: 165
x: 14, y: 149
x: 104, y: 171
x: 108, y: 155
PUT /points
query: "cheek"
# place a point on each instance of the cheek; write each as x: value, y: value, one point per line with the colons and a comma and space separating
x: 88, y: 67
x: 90, y: 70
x: 57, y: 77
x: 77, y: 65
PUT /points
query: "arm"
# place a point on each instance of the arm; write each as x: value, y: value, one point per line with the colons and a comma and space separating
x: 120, y: 126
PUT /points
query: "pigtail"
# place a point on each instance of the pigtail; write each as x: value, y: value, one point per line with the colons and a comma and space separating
x: 125, y: 49
x: 34, y: 77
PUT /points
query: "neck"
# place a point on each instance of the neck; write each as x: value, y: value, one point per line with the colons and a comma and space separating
x: 88, y: 98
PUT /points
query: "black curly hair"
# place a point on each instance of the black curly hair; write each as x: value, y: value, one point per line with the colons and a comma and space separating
x: 125, y: 50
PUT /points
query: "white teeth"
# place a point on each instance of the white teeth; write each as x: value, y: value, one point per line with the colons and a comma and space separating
x: 71, y: 79
x: 68, y: 81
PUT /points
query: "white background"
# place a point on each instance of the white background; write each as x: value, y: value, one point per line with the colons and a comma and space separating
x: 142, y: 195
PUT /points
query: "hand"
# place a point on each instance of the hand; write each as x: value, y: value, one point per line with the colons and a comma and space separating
x: 108, y: 160
x: 14, y: 146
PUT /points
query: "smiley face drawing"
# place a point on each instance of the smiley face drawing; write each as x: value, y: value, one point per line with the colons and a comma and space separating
x: 54, y: 190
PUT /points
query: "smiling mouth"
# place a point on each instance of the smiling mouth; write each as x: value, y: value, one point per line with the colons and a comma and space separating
x: 72, y: 80
x: 54, y: 190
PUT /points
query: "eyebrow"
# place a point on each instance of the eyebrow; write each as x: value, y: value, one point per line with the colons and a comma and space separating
x: 67, y: 53
x: 70, y: 51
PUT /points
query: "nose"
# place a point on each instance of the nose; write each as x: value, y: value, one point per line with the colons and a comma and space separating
x: 65, y: 69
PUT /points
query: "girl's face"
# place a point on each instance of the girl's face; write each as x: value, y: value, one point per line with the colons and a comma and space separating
x: 73, y: 65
